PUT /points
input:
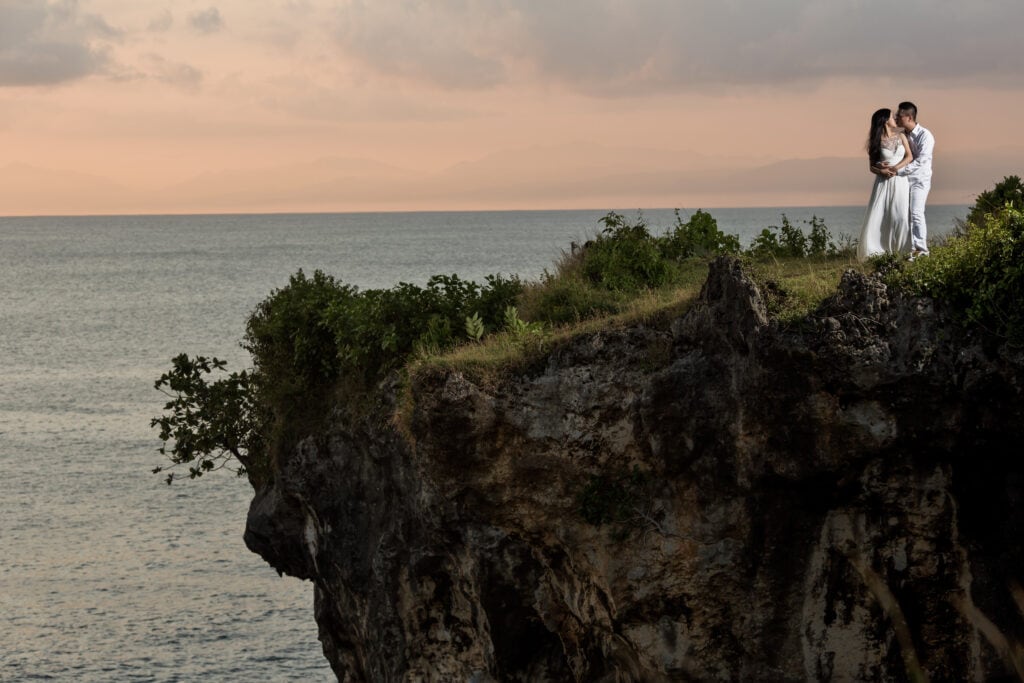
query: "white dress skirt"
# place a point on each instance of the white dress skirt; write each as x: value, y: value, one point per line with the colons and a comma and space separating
x: 886, y: 227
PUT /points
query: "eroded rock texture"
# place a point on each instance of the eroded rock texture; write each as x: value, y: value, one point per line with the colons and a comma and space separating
x: 724, y: 500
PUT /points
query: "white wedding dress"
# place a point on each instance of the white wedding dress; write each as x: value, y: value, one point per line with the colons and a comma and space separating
x: 886, y: 225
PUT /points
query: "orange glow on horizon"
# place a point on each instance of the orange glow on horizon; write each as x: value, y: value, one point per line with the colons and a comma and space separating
x: 261, y: 110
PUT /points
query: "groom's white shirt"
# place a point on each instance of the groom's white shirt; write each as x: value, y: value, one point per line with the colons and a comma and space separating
x: 922, y: 144
x: 919, y: 174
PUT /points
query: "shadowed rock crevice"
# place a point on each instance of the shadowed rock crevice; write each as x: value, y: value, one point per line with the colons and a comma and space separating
x: 835, y: 501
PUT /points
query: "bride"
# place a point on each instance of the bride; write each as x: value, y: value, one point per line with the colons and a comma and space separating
x: 886, y: 225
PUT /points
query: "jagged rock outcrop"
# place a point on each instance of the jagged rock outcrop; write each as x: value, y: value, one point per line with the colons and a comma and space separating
x: 722, y: 500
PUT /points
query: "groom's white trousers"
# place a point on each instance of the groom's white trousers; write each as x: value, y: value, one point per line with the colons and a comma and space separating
x: 918, y: 227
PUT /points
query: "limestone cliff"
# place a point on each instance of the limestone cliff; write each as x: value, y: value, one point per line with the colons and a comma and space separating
x: 722, y: 500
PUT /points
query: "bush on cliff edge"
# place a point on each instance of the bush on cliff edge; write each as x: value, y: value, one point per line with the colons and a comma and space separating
x: 979, y: 275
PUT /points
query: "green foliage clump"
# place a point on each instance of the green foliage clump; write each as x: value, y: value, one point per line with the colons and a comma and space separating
x: 208, y: 423
x: 788, y: 240
x: 980, y: 275
x: 307, y: 335
x: 698, y: 236
x: 377, y: 330
x: 305, y: 339
x: 475, y: 327
x: 516, y: 326
x: 624, y: 257
x: 292, y: 343
x: 1008, y: 193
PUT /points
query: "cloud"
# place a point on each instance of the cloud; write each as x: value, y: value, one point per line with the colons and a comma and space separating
x: 636, y: 46
x: 445, y: 43
x: 206, y: 21
x: 162, y: 22
x: 46, y: 43
x: 173, y: 73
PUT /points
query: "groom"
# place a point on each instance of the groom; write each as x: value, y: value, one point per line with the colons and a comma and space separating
x: 918, y: 173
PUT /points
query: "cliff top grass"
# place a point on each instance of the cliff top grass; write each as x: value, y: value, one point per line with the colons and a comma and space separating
x: 627, y: 276
x: 798, y: 284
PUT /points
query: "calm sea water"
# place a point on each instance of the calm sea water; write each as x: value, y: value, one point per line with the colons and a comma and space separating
x: 107, y: 574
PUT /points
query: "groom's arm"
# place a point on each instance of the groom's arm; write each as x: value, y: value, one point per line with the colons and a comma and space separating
x: 923, y: 158
x: 882, y: 169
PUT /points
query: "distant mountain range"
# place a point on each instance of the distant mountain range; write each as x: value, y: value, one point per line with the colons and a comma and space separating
x: 568, y: 176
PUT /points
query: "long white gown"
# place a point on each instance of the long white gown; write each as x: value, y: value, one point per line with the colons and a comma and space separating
x: 886, y: 226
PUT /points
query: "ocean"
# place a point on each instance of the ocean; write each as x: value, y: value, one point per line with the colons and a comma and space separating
x: 108, y: 574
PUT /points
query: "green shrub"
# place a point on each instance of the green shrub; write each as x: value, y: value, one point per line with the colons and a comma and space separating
x: 377, y: 330
x: 1008, y: 193
x: 307, y: 335
x: 293, y: 345
x: 624, y: 257
x: 980, y: 275
x: 698, y: 236
x: 788, y: 240
x: 568, y: 298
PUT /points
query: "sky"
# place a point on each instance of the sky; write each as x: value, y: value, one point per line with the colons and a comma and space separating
x: 153, y: 106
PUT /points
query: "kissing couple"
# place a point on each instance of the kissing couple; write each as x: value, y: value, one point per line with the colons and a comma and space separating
x: 900, y: 155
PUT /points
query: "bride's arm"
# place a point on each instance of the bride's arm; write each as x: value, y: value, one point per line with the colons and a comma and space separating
x: 908, y: 155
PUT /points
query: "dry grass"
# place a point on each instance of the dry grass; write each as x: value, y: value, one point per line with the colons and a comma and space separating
x: 798, y: 286
x: 503, y: 354
x: 801, y: 283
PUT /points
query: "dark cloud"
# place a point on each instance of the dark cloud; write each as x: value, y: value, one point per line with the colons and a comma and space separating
x: 626, y: 46
x: 46, y: 43
x: 206, y: 21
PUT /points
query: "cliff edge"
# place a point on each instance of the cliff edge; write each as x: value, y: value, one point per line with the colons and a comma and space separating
x: 724, y: 499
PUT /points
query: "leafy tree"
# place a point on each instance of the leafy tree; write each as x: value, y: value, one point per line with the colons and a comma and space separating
x: 209, y: 424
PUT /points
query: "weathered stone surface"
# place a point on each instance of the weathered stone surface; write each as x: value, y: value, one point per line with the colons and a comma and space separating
x: 821, y: 504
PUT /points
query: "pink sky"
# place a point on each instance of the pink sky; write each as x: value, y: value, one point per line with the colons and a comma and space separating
x: 130, y: 106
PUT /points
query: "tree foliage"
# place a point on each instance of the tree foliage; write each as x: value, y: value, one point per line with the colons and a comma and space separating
x: 207, y: 422
x: 625, y: 257
x: 305, y: 339
x: 698, y: 236
x: 1008, y: 193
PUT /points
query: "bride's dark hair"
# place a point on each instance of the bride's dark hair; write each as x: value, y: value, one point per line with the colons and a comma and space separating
x: 878, y: 120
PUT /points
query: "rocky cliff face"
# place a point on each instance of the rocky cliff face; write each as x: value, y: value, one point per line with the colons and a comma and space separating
x: 722, y: 500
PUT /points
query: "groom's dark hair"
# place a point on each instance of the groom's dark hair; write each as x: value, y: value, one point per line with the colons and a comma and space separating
x: 909, y: 108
